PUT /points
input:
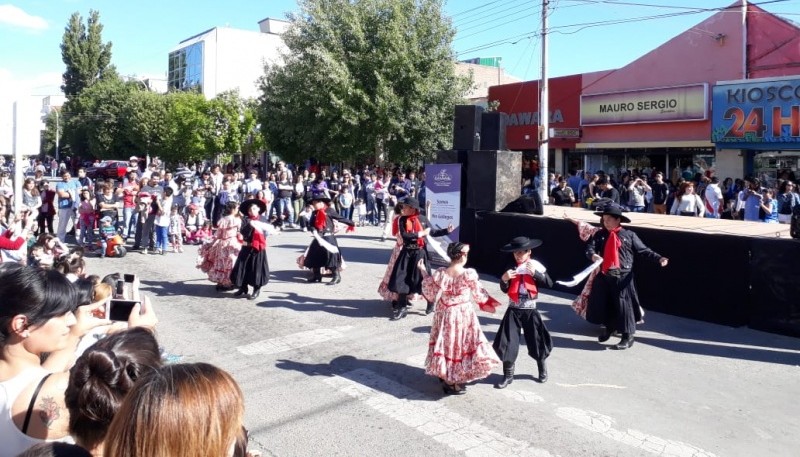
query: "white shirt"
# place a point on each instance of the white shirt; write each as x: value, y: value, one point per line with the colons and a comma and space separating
x: 713, y: 199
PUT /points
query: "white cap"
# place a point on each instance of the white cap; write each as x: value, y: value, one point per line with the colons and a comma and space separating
x: 133, y: 158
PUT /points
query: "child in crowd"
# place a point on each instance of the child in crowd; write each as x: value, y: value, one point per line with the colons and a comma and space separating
x: 361, y: 208
x: 198, y: 198
x: 51, y: 249
x: 204, y: 235
x: 304, y: 217
x: 107, y: 231
x: 176, y: 230
x: 86, y: 217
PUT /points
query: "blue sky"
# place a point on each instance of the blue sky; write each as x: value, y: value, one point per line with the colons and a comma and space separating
x: 143, y: 32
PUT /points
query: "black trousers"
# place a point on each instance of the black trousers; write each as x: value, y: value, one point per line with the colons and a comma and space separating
x: 506, y: 343
x: 613, y: 302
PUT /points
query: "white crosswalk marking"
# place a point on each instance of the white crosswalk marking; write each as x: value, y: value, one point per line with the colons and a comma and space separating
x: 604, y: 425
x: 433, y: 419
x: 294, y: 341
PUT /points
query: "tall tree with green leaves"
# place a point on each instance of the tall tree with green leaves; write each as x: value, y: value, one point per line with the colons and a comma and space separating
x: 94, y: 120
x: 363, y: 78
x: 87, y: 58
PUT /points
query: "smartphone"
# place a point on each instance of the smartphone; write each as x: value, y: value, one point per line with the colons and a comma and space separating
x: 119, y: 292
x: 120, y: 310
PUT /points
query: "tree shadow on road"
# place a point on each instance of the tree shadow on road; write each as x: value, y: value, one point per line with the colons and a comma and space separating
x: 373, y: 374
x: 192, y: 288
x: 341, y: 307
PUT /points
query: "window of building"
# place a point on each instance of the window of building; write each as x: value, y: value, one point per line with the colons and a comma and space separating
x: 186, y: 68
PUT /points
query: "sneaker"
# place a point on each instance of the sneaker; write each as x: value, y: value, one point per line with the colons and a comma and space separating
x: 305, y: 229
x: 144, y: 251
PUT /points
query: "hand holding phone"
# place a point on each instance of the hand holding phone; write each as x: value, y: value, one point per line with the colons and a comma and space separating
x: 120, y: 310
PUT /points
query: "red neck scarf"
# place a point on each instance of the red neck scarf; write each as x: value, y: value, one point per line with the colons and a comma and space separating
x: 259, y: 243
x: 530, y: 286
x: 413, y: 225
x: 321, y: 220
x: 611, y: 251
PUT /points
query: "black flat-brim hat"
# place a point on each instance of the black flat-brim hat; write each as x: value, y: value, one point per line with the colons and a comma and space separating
x: 411, y: 202
x: 613, y: 210
x: 521, y: 243
x: 244, y: 208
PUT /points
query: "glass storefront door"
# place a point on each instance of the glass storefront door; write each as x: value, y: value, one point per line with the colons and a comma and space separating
x: 770, y: 166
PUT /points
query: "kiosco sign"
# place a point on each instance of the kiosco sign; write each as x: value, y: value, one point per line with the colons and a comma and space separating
x: 664, y: 104
x: 759, y: 114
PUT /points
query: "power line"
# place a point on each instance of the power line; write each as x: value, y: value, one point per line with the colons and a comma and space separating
x: 483, y: 17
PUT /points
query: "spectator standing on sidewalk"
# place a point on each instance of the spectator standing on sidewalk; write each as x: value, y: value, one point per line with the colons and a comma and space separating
x: 660, y: 191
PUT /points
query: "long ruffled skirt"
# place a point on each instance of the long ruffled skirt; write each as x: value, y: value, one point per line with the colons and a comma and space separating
x: 458, y: 351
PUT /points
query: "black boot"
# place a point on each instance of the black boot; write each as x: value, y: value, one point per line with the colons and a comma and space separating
x: 316, y: 276
x: 542, y: 370
x: 605, y: 335
x: 255, y: 294
x: 337, y: 278
x: 430, y: 307
x: 625, y: 342
x: 399, y: 313
x: 242, y: 291
x: 508, y: 375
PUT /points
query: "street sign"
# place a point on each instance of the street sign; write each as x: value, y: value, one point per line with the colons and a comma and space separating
x: 565, y: 133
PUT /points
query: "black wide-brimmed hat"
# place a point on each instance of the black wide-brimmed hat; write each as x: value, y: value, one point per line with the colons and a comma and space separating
x: 613, y: 210
x: 320, y: 198
x: 411, y: 202
x: 521, y: 243
x: 244, y: 208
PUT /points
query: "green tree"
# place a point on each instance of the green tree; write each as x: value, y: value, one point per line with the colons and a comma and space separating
x: 143, y: 121
x: 363, y: 78
x: 87, y: 58
x: 93, y: 120
x: 187, y: 126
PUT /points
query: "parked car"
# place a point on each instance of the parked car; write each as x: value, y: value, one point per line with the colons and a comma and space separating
x: 108, y: 169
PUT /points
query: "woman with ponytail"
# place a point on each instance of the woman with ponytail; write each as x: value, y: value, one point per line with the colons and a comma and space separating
x: 458, y: 351
x: 406, y: 279
x: 100, y: 380
x: 251, y: 267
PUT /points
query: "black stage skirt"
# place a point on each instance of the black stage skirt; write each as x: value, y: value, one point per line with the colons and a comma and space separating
x: 506, y: 342
x: 319, y: 257
x: 613, y: 302
x: 251, y: 268
x: 406, y: 277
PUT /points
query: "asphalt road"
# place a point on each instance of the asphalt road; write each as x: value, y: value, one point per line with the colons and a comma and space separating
x: 325, y: 373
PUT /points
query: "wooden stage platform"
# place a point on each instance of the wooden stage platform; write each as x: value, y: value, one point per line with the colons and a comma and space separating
x: 680, y: 223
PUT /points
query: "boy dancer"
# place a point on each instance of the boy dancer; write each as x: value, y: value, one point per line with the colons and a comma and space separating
x: 521, y: 282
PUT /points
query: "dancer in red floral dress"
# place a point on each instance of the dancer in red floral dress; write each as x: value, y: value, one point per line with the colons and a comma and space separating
x: 458, y: 351
x: 217, y: 257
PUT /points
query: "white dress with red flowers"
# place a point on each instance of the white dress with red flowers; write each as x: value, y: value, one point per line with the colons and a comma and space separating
x: 458, y: 351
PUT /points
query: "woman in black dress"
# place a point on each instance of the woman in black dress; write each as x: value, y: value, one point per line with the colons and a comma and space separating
x: 324, y: 251
x: 406, y: 278
x: 251, y: 267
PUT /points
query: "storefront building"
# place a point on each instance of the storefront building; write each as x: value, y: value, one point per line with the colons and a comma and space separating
x: 656, y: 112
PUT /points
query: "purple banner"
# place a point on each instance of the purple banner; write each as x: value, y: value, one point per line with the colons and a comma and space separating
x: 443, y: 198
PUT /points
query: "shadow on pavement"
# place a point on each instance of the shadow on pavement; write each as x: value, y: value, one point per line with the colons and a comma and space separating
x: 424, y: 387
x: 192, y: 288
x: 344, y: 307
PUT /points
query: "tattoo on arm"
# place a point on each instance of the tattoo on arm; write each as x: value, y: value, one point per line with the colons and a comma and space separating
x: 50, y: 411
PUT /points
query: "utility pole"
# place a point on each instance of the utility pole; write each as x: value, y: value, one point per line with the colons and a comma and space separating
x: 544, y: 114
x: 744, y: 39
x: 55, y: 110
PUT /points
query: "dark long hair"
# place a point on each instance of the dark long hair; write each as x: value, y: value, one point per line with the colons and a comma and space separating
x: 102, y: 376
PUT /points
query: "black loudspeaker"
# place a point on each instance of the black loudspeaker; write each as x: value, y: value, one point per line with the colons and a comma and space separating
x: 467, y: 127
x: 493, y: 131
x: 494, y: 179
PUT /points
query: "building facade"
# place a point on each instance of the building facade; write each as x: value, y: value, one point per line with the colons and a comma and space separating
x: 656, y: 112
x: 222, y: 59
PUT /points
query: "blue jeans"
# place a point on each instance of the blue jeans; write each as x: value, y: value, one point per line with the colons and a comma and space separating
x: 284, y: 206
x: 638, y: 209
x: 162, y: 237
x: 130, y: 217
x: 345, y: 212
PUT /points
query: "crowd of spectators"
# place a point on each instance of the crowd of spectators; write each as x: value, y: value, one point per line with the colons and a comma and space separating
x: 692, y: 194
